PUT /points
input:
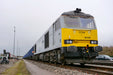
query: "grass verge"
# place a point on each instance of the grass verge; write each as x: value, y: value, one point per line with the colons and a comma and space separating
x: 107, y: 51
x: 18, y: 69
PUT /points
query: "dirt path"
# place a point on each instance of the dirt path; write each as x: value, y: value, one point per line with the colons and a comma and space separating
x: 35, y: 70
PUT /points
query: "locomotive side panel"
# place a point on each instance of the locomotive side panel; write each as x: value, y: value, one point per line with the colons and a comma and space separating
x: 40, y: 45
x: 57, y: 39
x: 57, y: 33
x: 51, y: 39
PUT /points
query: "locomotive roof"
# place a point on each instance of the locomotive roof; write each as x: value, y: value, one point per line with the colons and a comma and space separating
x: 77, y: 13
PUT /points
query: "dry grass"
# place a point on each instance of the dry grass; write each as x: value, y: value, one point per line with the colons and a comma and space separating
x: 107, y: 51
x: 18, y: 69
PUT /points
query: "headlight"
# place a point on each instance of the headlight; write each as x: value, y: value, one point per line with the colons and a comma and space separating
x: 94, y: 42
x: 68, y: 41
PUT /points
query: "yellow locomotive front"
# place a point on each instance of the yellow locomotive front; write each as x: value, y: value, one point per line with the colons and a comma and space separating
x: 79, y: 37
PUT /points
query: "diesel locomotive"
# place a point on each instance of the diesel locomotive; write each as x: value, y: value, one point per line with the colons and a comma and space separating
x: 72, y: 38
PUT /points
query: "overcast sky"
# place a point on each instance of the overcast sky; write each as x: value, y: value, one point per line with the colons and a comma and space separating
x: 33, y: 17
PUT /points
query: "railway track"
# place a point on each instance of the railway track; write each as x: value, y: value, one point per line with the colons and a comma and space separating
x: 103, y: 62
x: 100, y: 69
x: 88, y: 68
x: 91, y: 69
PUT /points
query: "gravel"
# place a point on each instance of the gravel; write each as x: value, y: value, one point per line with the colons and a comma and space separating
x: 58, y: 70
